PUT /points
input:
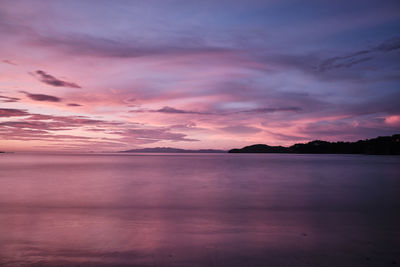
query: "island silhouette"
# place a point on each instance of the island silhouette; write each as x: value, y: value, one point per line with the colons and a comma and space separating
x: 382, y: 145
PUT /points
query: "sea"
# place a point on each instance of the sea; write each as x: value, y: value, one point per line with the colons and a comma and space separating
x: 122, y: 209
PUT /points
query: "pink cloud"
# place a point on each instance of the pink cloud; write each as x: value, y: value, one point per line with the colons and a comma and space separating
x: 9, y: 112
x: 393, y: 120
x: 53, y: 81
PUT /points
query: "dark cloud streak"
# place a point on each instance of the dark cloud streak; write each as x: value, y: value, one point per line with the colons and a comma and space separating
x: 389, y: 45
x: 167, y: 109
x: 270, y: 110
x: 171, y: 110
x: 42, y: 97
x: 53, y: 81
x: 85, y: 44
x: 7, y: 99
x: 354, y: 58
x: 10, y: 112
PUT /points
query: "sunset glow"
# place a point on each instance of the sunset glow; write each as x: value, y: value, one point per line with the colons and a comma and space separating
x: 116, y: 75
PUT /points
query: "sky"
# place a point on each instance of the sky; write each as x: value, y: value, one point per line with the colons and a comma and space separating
x: 114, y: 75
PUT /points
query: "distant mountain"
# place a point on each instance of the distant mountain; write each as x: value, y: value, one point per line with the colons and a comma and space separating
x: 171, y: 150
x: 383, y: 145
x: 260, y: 148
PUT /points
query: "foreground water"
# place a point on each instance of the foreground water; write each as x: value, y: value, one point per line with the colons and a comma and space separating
x: 199, y: 210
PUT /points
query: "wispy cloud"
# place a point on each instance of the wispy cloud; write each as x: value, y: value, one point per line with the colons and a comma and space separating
x: 42, y: 97
x: 9, y: 62
x: 171, y: 110
x: 270, y: 110
x: 157, y: 135
x: 46, y: 127
x: 10, y: 112
x: 168, y: 110
x: 8, y: 99
x: 349, y: 60
x: 53, y: 81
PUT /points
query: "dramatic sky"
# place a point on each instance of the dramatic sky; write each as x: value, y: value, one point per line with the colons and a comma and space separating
x: 113, y: 75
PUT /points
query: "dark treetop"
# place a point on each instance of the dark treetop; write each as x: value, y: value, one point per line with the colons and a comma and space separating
x: 383, y: 145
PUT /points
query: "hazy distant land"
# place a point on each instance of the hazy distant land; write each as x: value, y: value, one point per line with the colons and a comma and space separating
x: 172, y: 150
x: 383, y: 145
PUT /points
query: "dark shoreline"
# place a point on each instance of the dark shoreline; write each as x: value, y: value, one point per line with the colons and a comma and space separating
x: 383, y: 145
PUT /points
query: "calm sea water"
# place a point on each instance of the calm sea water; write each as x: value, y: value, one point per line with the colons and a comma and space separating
x: 199, y: 210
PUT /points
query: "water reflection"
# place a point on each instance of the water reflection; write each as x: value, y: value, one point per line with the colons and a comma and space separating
x: 199, y: 210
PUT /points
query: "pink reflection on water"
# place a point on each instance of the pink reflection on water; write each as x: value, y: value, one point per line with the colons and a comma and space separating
x: 137, y: 236
x: 197, y: 210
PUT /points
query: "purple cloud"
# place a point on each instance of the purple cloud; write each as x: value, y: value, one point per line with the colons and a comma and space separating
x: 87, y: 44
x: 10, y: 112
x: 347, y: 61
x: 172, y: 110
x: 7, y: 99
x: 270, y: 110
x: 37, y: 124
x: 167, y: 110
x: 73, y: 105
x: 42, y: 97
x: 53, y: 81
